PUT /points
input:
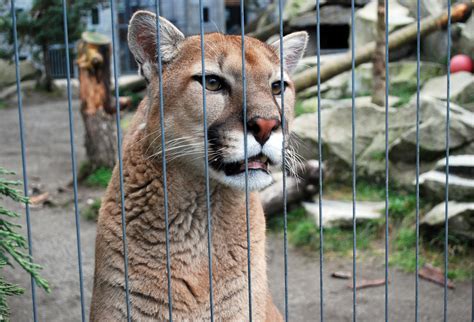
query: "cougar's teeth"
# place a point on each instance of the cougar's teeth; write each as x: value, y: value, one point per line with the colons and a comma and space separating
x: 264, y: 158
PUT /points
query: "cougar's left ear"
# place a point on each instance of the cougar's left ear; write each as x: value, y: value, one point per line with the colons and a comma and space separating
x: 294, y: 46
x: 142, y: 39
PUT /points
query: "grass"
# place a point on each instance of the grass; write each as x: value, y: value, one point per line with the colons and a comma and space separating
x: 303, y: 232
x: 404, y: 91
x: 92, y: 211
x: 99, y: 178
x: 3, y: 104
x: 338, y: 242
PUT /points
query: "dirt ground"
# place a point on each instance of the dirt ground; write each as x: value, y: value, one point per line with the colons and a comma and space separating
x: 54, y: 244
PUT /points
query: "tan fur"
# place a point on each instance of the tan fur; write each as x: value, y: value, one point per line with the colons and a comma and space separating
x: 144, y: 200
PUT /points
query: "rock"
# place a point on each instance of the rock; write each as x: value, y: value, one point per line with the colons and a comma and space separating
x: 465, y: 43
x: 402, y: 80
x: 433, y: 186
x: 366, y: 19
x: 329, y: 15
x: 8, y: 74
x: 339, y: 213
x: 461, y: 179
x: 461, y: 89
x: 61, y: 85
x: 297, y: 190
x: 294, y: 8
x: 460, y: 218
x: 336, y: 133
x: 9, y: 92
x: 336, y: 136
x: 461, y: 165
x: 311, y: 61
x: 432, y: 137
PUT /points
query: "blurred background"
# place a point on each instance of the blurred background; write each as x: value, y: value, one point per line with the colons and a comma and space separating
x: 43, y: 71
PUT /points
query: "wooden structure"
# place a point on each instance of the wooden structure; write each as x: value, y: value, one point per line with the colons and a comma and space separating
x: 97, y: 106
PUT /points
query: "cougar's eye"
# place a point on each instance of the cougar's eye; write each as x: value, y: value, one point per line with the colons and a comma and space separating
x: 213, y: 83
x: 276, y: 87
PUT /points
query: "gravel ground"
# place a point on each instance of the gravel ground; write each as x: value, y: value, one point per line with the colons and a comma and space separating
x: 54, y: 244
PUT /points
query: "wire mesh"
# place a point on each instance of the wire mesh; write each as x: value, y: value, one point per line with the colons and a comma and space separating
x: 244, y: 110
x: 354, y: 168
x: 417, y: 166
x: 163, y: 159
x: 320, y: 161
x: 120, y: 161
x: 73, y: 162
x: 446, y: 197
x: 387, y: 86
x: 206, y: 158
x: 206, y: 169
x: 23, y: 154
x: 283, y: 154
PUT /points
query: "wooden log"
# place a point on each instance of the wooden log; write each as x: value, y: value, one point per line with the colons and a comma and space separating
x: 297, y: 189
x: 459, y: 13
x: 97, y: 105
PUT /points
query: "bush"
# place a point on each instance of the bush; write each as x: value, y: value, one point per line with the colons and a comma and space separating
x: 13, y: 245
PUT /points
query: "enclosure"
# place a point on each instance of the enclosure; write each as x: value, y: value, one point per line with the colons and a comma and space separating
x: 374, y: 223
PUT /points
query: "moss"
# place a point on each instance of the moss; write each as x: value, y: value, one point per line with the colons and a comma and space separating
x: 99, y: 178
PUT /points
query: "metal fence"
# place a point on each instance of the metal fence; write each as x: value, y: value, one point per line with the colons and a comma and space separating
x: 59, y: 60
x: 66, y: 60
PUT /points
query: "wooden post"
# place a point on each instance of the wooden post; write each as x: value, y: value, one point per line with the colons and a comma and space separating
x: 97, y: 108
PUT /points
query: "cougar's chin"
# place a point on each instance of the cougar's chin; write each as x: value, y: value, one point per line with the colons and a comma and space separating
x: 232, y: 174
x: 257, y: 179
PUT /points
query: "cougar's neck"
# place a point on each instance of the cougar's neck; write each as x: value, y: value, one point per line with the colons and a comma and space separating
x: 187, y: 200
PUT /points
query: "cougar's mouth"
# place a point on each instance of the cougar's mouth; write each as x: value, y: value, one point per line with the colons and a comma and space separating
x: 256, y: 163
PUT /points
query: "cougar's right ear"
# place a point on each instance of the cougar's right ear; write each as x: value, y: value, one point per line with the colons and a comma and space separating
x: 142, y: 39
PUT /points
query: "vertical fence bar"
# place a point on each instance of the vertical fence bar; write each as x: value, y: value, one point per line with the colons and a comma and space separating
x: 387, y: 82
x: 417, y: 174
x: 23, y: 153
x: 354, y: 168
x: 163, y: 160
x: 244, y: 100
x: 446, y: 197
x: 73, y: 161
x: 320, y: 160
x: 283, y: 165
x: 206, y: 159
x: 119, y: 153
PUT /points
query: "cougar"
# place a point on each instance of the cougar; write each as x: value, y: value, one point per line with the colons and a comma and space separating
x: 182, y: 87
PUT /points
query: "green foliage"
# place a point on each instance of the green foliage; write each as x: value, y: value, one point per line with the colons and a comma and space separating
x: 303, y: 232
x: 92, y: 210
x: 44, y: 23
x: 404, y: 91
x: 99, y: 178
x: 404, y: 254
x: 13, y: 246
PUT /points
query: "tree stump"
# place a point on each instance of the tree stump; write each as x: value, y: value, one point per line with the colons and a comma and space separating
x: 97, y: 108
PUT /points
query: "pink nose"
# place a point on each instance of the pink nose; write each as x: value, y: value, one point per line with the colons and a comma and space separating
x: 262, y: 128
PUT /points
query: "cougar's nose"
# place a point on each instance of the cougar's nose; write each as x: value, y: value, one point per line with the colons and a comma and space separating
x: 262, y: 128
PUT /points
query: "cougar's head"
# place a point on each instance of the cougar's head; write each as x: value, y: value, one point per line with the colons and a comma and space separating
x: 223, y: 85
